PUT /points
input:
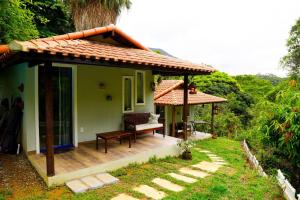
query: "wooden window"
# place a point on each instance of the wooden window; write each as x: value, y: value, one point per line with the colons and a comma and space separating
x: 127, y: 94
x: 140, y: 88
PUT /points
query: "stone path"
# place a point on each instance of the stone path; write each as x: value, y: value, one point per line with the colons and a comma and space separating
x: 183, y: 178
x: 124, y: 197
x: 207, y: 166
x: 91, y: 182
x: 199, y: 170
x: 150, y: 192
x: 167, y: 185
x: 192, y: 172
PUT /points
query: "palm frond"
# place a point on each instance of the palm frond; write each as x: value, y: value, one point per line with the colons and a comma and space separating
x: 88, y: 14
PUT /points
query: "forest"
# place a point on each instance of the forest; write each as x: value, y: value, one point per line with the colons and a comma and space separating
x: 263, y: 109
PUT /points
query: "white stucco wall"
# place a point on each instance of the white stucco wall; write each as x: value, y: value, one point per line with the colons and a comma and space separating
x: 95, y: 113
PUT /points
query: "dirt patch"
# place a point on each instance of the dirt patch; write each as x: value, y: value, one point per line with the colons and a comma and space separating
x: 18, y: 178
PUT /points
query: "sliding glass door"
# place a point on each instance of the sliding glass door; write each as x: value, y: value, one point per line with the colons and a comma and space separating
x: 62, y: 103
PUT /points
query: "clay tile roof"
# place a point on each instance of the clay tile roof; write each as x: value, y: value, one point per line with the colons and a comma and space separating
x: 4, y: 49
x: 166, y: 86
x: 174, y: 96
x: 78, y: 44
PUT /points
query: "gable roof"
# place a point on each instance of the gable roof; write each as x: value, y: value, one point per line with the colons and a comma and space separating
x: 103, y: 44
x: 170, y: 92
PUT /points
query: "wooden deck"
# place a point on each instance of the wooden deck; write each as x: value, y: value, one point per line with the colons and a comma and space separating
x: 86, y: 160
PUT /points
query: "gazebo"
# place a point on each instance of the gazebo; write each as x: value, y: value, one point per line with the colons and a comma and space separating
x: 169, y: 95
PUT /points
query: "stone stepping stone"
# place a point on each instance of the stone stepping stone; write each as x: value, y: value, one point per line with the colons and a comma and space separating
x: 107, y: 179
x: 168, y: 185
x: 124, y: 196
x: 211, y: 155
x: 77, y: 186
x: 202, y: 151
x: 150, y: 192
x: 196, y: 173
x: 207, y: 166
x: 182, y: 178
x: 92, y: 182
x: 220, y: 163
x: 217, y: 159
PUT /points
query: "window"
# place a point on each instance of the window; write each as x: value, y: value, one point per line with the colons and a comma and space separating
x: 140, y: 88
x: 127, y: 94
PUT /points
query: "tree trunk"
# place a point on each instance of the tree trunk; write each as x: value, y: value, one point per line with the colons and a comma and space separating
x: 91, y: 15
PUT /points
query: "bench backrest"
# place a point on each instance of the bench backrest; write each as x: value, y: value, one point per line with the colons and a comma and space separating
x: 132, y: 119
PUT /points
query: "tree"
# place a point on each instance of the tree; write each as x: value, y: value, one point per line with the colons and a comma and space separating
x: 87, y: 14
x: 292, y: 60
x: 221, y: 84
x: 52, y: 17
x: 254, y: 85
x: 16, y: 22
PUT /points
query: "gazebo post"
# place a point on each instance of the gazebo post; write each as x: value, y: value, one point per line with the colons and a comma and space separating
x: 185, y: 106
x: 173, y: 120
x: 212, y: 118
x: 49, y: 118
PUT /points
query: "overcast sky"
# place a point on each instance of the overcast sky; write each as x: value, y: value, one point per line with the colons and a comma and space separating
x: 234, y: 36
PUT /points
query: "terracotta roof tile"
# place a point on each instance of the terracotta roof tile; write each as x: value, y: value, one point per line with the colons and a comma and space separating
x: 4, y: 48
x: 85, y: 48
x: 78, y: 45
x: 166, y: 86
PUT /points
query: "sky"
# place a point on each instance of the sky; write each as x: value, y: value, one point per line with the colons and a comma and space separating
x: 234, y: 36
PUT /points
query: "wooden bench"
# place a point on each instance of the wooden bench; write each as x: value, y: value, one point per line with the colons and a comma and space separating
x: 137, y: 123
x: 113, y: 135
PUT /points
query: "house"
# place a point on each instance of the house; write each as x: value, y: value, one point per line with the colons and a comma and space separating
x: 79, y: 84
x: 169, y: 101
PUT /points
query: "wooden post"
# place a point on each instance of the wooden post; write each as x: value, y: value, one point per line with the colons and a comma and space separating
x: 49, y: 118
x: 173, y: 120
x: 212, y: 118
x: 185, y: 106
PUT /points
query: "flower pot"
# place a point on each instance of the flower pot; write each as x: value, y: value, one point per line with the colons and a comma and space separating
x: 187, y: 155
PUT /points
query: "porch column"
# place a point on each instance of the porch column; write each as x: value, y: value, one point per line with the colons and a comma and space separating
x: 185, y: 106
x: 212, y: 118
x: 49, y: 118
x: 173, y: 120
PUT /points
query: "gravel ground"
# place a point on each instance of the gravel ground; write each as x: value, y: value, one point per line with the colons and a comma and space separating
x: 18, y: 179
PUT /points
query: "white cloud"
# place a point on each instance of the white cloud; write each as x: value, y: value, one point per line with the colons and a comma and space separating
x: 234, y: 36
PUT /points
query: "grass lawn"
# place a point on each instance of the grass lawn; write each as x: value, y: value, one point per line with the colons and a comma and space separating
x: 235, y: 181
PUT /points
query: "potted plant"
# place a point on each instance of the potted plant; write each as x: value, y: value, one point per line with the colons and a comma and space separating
x: 214, y: 135
x: 185, y: 147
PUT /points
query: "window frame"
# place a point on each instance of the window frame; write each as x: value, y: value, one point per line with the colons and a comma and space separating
x: 123, y: 94
x: 136, y: 88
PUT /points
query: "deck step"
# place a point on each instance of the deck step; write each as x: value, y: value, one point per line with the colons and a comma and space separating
x: 207, y: 166
x: 150, y: 192
x: 92, y: 182
x: 182, y: 178
x: 168, y: 185
x: 77, y: 186
x: 124, y: 196
x: 192, y: 172
x: 107, y: 179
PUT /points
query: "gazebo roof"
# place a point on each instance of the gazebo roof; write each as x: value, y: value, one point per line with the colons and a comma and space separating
x: 170, y: 92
